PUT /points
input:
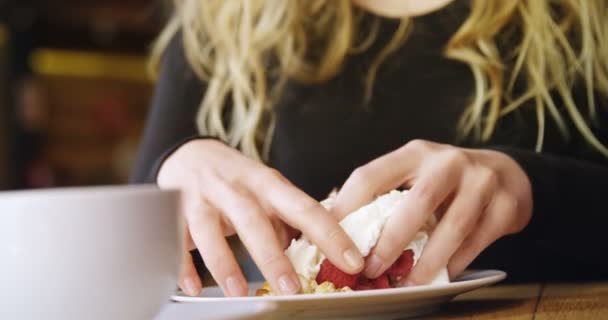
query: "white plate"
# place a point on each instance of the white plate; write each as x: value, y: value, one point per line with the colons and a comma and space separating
x: 369, y: 304
x: 222, y: 310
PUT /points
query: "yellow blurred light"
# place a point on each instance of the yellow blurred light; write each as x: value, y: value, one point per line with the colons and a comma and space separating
x: 82, y: 64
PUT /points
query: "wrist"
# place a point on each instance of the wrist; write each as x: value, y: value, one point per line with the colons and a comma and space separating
x: 161, y: 163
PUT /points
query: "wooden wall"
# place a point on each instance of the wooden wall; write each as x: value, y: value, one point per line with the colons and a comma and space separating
x: 86, y: 60
x: 95, y: 117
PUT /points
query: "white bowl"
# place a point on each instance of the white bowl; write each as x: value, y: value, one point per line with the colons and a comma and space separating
x: 88, y: 253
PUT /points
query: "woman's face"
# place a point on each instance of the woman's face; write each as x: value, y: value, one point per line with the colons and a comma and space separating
x: 401, y: 8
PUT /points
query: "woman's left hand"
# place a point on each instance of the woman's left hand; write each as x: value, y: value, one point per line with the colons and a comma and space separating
x: 478, y: 196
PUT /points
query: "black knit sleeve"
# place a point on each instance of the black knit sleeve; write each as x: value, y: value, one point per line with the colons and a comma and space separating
x: 171, y: 119
x: 566, y: 237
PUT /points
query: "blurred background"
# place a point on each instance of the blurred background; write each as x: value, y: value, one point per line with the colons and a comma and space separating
x: 74, y: 90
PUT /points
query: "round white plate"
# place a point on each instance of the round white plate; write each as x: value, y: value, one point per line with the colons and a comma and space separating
x: 369, y: 304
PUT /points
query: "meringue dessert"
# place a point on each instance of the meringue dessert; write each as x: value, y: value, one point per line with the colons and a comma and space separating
x: 318, y: 275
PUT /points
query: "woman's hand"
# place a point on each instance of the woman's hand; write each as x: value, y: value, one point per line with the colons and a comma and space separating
x: 477, y: 195
x: 225, y: 193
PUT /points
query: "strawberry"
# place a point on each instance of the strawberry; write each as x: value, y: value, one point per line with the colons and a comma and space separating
x: 381, y: 282
x: 364, y: 283
x: 340, y: 279
x: 402, y: 267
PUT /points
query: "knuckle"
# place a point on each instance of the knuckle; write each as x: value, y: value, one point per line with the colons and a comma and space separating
x: 488, y: 177
x: 513, y: 204
x: 455, y: 157
x: 335, y: 237
x: 417, y: 145
x: 270, y: 260
x: 514, y: 209
x: 274, y: 174
x: 335, y: 234
x: 426, y: 195
x: 258, y: 179
x: 229, y: 177
x: 265, y: 175
x: 485, y: 185
x: 360, y: 175
x: 460, y: 228
x: 500, y: 224
x: 509, y: 207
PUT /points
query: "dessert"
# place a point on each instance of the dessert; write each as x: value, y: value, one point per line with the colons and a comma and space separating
x: 318, y: 275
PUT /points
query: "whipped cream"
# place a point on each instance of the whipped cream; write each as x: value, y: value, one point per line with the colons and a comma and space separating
x: 305, y: 257
x: 364, y: 227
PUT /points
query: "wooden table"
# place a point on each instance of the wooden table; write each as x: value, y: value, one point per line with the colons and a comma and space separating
x: 531, y: 301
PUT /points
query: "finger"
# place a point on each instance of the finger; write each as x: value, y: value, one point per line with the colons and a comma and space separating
x: 459, y: 220
x: 284, y: 232
x: 207, y: 233
x: 470, y: 248
x: 189, y: 281
x: 190, y: 245
x: 305, y: 214
x: 487, y: 230
x: 375, y: 178
x: 423, y: 199
x: 257, y: 234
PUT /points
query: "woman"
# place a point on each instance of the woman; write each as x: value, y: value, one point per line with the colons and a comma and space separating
x: 493, y: 113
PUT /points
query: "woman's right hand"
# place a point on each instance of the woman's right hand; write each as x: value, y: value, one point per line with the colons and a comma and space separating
x: 225, y: 193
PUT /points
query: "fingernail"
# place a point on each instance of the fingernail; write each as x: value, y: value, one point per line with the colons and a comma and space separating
x: 288, y: 285
x: 353, y: 258
x: 374, y: 264
x: 190, y: 287
x: 234, y: 286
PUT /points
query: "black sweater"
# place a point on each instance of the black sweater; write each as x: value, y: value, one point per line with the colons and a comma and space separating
x: 323, y: 132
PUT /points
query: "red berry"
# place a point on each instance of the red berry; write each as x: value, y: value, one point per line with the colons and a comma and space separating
x: 402, y: 266
x: 381, y: 282
x: 400, y: 269
x: 364, y: 283
x: 340, y: 279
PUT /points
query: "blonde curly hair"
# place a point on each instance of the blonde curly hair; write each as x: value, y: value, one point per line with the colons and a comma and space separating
x: 236, y: 46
